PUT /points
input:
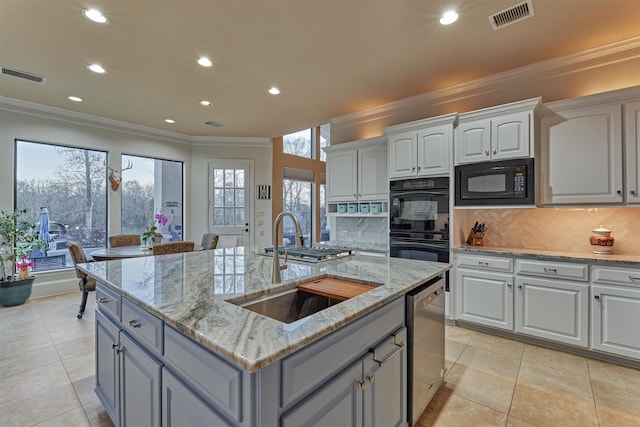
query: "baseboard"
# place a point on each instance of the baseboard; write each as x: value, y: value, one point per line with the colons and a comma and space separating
x: 56, y: 282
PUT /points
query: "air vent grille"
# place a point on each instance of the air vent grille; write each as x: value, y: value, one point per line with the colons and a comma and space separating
x: 214, y: 124
x: 23, y: 75
x: 513, y: 14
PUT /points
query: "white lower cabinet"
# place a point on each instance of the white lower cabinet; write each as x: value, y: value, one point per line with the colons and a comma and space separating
x: 553, y: 309
x: 484, y: 297
x: 615, y: 311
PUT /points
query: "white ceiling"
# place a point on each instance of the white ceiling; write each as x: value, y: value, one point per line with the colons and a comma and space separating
x: 328, y: 57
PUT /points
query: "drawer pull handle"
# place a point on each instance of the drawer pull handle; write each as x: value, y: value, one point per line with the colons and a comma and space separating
x: 484, y: 264
x: 382, y: 362
x: 550, y: 270
x: 134, y: 323
x: 634, y: 279
x: 103, y: 300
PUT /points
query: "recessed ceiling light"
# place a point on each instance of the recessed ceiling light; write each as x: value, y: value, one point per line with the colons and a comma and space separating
x: 170, y: 121
x: 449, y: 17
x: 95, y: 16
x: 75, y: 98
x: 205, y: 103
x: 97, y: 68
x: 274, y: 91
x: 205, y: 62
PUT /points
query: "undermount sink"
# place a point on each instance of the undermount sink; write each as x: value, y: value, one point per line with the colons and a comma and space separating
x: 308, y: 298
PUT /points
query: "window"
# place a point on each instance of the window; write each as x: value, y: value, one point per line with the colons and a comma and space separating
x: 149, y: 187
x: 71, y: 184
x: 298, y: 143
x: 325, y: 138
x: 228, y: 197
x: 297, y: 199
x: 324, y: 224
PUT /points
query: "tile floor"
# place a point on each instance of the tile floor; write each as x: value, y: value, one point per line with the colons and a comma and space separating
x: 47, y: 372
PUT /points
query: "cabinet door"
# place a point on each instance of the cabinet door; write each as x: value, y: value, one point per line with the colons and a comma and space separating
x: 510, y: 136
x: 140, y: 385
x: 402, y: 155
x: 615, y: 319
x: 473, y: 142
x: 338, y: 403
x: 181, y: 407
x: 385, y: 393
x: 632, y: 147
x: 373, y: 180
x: 485, y: 298
x: 107, y: 373
x: 434, y: 148
x: 553, y: 309
x: 581, y: 156
x: 342, y: 176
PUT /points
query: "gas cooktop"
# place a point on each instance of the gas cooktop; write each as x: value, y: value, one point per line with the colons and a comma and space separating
x: 310, y: 254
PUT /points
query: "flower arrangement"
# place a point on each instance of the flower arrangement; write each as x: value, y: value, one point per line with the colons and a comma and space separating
x: 149, y: 235
x: 18, y: 237
x: 23, y: 267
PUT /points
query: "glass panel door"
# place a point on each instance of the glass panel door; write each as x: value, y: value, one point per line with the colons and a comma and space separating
x: 229, y: 204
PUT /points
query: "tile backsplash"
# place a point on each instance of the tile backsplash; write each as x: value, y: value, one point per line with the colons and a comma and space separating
x: 361, y: 230
x: 557, y: 229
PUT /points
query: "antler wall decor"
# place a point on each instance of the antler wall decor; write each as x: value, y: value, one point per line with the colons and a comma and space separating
x: 115, y: 176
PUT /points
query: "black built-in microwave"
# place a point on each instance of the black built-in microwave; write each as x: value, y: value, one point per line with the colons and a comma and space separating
x: 504, y: 182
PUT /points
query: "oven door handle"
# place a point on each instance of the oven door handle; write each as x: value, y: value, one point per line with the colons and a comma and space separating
x: 406, y: 243
x: 434, y: 193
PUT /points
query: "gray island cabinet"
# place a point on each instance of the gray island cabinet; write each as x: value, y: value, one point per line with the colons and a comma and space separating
x: 174, y: 348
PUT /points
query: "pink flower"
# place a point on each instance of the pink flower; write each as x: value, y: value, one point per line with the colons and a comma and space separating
x: 162, y: 219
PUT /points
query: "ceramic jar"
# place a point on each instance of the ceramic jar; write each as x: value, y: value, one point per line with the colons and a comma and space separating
x: 601, y: 241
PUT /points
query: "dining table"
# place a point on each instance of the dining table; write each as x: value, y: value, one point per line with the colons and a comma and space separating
x: 121, y: 252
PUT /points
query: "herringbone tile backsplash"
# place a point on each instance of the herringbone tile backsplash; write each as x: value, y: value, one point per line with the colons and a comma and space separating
x: 550, y: 228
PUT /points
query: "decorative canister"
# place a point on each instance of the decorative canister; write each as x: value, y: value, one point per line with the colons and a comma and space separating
x: 601, y: 240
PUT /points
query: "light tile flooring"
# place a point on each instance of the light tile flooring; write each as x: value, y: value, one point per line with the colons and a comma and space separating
x: 47, y: 369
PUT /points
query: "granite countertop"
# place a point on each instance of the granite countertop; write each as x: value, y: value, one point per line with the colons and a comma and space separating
x: 578, y: 256
x: 356, y: 246
x: 190, y: 292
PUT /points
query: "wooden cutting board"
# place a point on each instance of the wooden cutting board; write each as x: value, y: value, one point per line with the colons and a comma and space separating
x: 335, y: 288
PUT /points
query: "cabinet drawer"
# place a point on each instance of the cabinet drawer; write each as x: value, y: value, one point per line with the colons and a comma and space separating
x: 143, y: 326
x: 561, y: 270
x: 108, y: 302
x: 216, y: 380
x: 304, y: 370
x: 485, y: 262
x: 620, y: 276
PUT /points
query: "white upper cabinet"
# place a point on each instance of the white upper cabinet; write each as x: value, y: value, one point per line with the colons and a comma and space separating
x: 584, y: 147
x: 632, y: 152
x: 357, y: 171
x: 496, y: 133
x: 421, y: 148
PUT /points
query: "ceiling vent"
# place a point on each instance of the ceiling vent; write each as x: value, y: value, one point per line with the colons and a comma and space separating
x: 23, y: 75
x: 513, y: 14
x: 214, y: 124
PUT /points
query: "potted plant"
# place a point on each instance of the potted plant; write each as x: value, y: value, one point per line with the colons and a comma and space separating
x: 18, y: 237
x: 152, y: 235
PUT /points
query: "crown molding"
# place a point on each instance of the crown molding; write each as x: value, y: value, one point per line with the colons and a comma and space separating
x: 54, y: 113
x: 621, y: 51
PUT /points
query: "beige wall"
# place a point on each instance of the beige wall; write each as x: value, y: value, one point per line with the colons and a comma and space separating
x: 554, y: 229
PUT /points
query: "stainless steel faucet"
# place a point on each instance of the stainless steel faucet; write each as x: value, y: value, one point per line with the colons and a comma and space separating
x: 276, y: 277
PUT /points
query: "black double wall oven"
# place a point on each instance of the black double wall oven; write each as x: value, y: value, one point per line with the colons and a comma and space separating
x: 419, y: 219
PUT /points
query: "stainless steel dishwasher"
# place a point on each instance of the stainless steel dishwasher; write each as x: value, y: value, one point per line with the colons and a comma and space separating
x: 425, y: 358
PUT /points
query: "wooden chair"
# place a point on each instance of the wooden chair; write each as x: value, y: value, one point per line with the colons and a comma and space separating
x: 210, y: 241
x: 173, y: 247
x: 124, y: 240
x: 86, y: 283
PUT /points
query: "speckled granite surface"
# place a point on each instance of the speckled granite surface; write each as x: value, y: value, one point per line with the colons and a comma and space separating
x: 613, y: 259
x: 190, y: 292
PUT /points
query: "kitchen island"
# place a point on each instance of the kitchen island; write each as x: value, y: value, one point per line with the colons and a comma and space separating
x: 175, y: 348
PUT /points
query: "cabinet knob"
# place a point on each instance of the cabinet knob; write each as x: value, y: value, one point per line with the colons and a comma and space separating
x: 413, y: 169
x: 486, y: 152
x: 495, y: 151
x: 632, y: 192
x: 519, y: 286
x: 618, y: 192
x: 355, y: 195
x: 370, y: 378
x: 418, y: 168
x: 509, y: 284
x: 362, y: 385
x: 597, y: 296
